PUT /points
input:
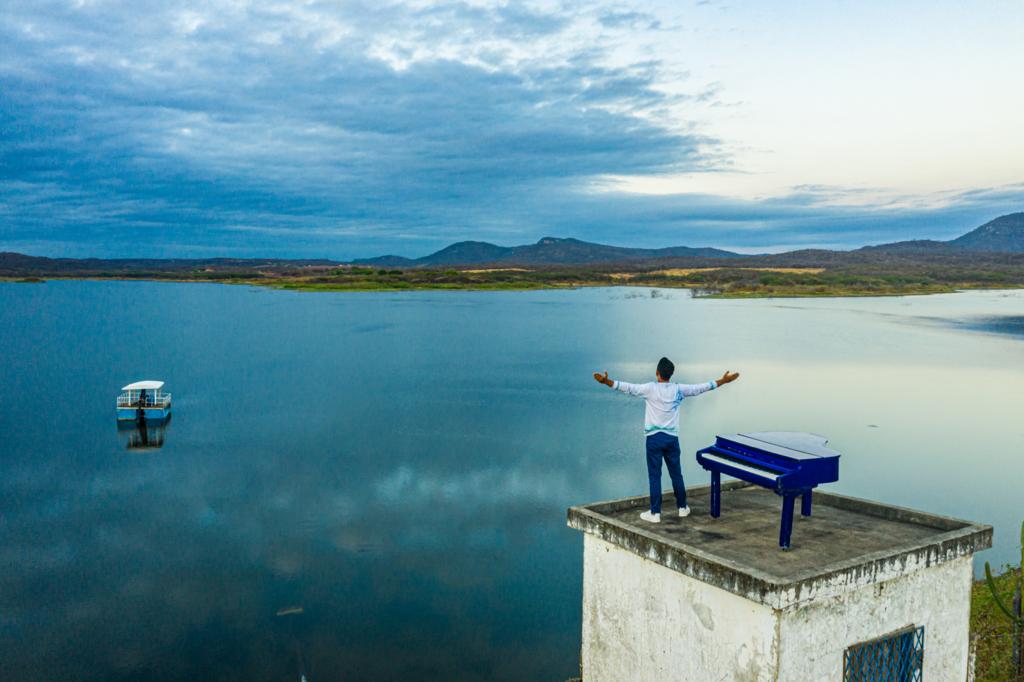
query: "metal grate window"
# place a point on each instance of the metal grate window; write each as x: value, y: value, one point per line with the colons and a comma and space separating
x: 896, y: 657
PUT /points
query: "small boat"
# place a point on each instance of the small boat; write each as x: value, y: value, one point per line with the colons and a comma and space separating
x: 144, y: 401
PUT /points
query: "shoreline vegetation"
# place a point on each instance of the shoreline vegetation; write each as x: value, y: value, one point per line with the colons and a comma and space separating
x: 704, y: 280
x: 991, y: 632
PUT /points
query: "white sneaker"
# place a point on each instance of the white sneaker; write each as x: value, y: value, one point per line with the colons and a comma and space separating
x: 650, y: 517
x: 684, y: 511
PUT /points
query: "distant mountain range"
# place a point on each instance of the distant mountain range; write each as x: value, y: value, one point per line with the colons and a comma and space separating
x: 547, y: 251
x: 1002, y: 235
x: 1005, y: 234
x: 999, y: 238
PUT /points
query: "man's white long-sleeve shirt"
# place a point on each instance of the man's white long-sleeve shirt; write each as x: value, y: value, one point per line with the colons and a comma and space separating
x: 663, y: 399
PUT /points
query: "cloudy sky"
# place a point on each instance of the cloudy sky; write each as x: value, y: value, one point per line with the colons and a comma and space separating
x: 345, y: 129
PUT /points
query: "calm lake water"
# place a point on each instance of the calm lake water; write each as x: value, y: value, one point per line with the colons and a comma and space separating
x: 399, y: 465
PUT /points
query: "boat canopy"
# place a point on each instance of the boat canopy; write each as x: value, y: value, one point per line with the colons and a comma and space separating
x: 144, y: 386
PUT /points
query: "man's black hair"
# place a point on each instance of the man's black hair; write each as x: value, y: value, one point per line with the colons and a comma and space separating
x: 665, y: 368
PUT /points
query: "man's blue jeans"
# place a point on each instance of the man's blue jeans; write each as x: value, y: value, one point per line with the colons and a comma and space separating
x: 660, y: 446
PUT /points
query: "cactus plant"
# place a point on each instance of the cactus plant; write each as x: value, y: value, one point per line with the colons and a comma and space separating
x: 1013, y: 612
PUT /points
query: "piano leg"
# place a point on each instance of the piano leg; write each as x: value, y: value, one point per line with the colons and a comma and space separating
x: 805, y: 503
x: 786, y: 529
x: 716, y: 494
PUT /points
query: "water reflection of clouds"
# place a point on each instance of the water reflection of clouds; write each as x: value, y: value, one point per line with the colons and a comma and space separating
x: 472, y: 490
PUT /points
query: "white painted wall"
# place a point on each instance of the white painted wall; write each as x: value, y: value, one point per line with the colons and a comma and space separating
x: 643, y: 621
x: 814, y: 636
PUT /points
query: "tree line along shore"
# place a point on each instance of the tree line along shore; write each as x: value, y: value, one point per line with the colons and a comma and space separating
x: 756, y: 277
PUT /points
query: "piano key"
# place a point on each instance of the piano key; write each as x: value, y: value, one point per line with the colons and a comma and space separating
x: 774, y: 466
x: 769, y: 476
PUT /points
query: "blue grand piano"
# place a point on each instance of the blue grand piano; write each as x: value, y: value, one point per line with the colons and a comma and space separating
x: 789, y: 463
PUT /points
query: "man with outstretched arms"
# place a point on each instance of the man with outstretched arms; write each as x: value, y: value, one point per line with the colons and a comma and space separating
x: 661, y: 424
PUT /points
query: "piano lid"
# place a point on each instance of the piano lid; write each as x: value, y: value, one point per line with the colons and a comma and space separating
x: 792, y: 444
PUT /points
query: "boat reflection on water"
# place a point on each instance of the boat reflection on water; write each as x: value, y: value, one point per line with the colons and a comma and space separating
x: 143, y: 434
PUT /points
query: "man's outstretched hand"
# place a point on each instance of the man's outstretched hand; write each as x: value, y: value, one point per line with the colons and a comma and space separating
x: 728, y: 378
x: 603, y: 379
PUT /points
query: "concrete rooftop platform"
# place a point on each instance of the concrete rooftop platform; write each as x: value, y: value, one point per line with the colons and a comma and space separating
x: 845, y: 544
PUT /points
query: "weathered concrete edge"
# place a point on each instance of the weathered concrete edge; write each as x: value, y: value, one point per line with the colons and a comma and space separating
x: 961, y: 538
x: 745, y: 581
x: 886, y: 565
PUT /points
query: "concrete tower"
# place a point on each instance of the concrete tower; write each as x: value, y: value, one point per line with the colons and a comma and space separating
x: 866, y: 587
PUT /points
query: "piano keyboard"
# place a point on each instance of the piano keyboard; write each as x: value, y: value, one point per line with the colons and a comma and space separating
x: 767, y: 475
